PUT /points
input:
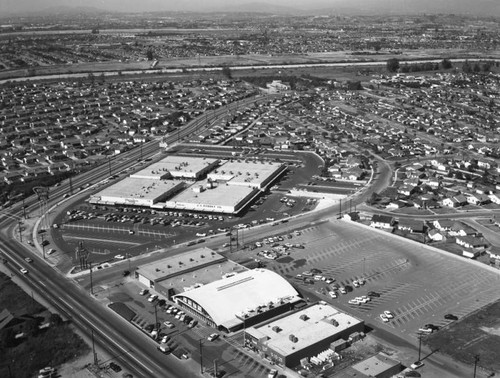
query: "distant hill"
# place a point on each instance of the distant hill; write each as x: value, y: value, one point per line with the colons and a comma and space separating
x: 282, y: 7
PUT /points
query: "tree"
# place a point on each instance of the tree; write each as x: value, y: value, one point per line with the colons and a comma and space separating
x: 149, y: 54
x: 466, y: 67
x: 446, y: 64
x: 55, y: 320
x: 226, y: 71
x: 392, y: 65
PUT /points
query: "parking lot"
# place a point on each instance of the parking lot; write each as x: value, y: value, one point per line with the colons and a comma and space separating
x: 417, y: 284
x: 183, y: 340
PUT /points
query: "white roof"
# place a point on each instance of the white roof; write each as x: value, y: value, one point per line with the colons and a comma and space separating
x: 228, y: 297
x: 309, y: 326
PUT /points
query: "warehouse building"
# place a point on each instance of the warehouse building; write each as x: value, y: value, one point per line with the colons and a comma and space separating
x: 304, y: 333
x: 239, y: 300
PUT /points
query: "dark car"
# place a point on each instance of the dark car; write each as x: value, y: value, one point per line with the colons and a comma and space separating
x: 115, y: 367
x: 373, y: 294
x: 451, y: 317
x: 432, y: 326
x: 126, y: 273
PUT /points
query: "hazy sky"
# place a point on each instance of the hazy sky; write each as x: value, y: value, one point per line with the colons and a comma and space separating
x: 451, y: 6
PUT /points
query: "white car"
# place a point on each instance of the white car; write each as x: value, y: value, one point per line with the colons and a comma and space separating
x: 213, y: 337
x: 355, y: 283
x: 23, y: 270
x: 119, y: 257
x: 354, y: 302
x: 417, y: 364
x: 51, y: 251
x: 389, y: 314
x: 168, y: 324
x: 153, y: 297
x: 343, y: 290
x: 332, y: 294
x: 384, y: 318
x: 165, y: 339
x: 201, y: 234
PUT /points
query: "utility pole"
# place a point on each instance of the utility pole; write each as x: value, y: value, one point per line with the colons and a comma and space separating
x: 109, y: 166
x: 94, y: 353
x: 91, y: 284
x: 476, y: 360
x: 19, y: 225
x: 24, y: 209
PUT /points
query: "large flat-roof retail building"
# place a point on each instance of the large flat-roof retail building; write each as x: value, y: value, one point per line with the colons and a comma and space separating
x: 178, y: 183
x: 254, y: 174
x: 241, y: 299
x: 134, y: 191
x: 213, y: 197
x: 304, y: 333
x: 178, y: 167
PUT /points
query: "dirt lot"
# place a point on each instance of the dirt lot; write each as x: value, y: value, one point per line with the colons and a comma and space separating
x: 478, y: 334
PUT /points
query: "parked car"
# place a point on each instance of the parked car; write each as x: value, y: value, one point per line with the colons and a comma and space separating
x: 115, y: 367
x: 417, y: 365
x: 144, y: 292
x: 373, y: 294
x: 213, y: 337
x: 168, y: 324
x: 451, y: 317
x: 153, y: 297
x: 384, y: 318
x: 389, y: 314
x: 332, y: 294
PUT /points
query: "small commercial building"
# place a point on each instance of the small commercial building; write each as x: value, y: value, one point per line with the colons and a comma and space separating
x: 156, y: 272
x: 304, y: 333
x: 378, y: 366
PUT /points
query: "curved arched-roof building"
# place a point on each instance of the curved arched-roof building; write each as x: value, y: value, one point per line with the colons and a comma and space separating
x: 240, y: 300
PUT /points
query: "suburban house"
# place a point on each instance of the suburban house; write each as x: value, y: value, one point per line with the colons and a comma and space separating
x: 382, y: 221
x: 436, y: 235
x: 411, y: 225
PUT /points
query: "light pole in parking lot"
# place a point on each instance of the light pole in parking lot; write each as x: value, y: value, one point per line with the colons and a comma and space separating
x: 419, y: 346
x: 156, y: 318
x: 201, y: 355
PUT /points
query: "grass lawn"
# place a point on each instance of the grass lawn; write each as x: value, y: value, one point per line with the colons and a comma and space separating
x: 477, y: 334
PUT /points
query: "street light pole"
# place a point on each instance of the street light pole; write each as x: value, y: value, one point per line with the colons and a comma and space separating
x: 43, y: 245
x: 201, y: 356
x: 19, y: 224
